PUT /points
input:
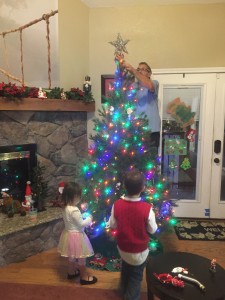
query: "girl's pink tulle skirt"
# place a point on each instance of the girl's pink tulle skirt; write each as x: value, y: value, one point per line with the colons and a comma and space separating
x: 75, y: 245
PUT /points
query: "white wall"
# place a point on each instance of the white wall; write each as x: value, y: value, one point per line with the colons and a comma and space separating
x: 16, y: 13
x: 166, y: 36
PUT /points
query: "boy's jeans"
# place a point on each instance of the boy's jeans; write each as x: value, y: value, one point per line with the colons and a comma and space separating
x: 130, y: 282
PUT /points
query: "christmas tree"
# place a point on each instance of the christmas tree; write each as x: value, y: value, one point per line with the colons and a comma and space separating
x: 121, y: 143
x: 39, y: 187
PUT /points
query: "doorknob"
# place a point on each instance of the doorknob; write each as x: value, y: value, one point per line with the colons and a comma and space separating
x: 216, y: 160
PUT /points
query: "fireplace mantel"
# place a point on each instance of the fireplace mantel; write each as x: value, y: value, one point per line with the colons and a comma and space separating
x: 35, y: 104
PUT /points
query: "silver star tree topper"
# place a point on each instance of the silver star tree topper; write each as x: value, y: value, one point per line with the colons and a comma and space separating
x: 120, y: 45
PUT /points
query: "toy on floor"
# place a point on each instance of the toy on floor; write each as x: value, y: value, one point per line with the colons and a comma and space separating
x: 98, y: 261
x: 116, y: 263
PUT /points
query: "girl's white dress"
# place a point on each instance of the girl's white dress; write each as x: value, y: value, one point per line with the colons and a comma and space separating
x: 73, y: 241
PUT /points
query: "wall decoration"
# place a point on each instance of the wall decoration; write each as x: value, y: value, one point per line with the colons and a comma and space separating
x: 175, y: 147
x: 173, y: 165
x: 185, y: 165
x: 107, y: 84
x: 190, y: 135
x: 181, y: 112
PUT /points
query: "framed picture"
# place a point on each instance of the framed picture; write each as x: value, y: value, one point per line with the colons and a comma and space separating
x: 106, y: 84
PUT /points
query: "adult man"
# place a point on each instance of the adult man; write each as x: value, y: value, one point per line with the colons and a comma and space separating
x: 147, y: 95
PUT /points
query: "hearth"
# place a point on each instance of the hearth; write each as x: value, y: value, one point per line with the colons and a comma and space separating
x: 16, y: 165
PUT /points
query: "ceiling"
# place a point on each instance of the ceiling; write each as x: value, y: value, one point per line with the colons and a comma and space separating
x: 119, y: 3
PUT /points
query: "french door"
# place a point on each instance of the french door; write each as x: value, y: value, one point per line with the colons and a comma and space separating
x: 192, y: 106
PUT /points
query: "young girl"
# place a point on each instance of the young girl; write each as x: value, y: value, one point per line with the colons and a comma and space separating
x: 73, y: 242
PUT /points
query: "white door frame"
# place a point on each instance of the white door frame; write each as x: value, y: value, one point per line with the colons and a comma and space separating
x: 217, y: 207
x: 207, y: 79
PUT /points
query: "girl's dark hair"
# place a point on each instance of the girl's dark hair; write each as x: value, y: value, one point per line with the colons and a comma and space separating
x: 70, y: 191
x: 134, y: 182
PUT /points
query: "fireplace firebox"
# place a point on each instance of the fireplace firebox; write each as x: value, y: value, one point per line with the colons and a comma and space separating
x: 16, y: 165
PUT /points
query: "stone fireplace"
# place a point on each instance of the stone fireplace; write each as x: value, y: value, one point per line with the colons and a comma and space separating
x: 59, y: 130
x: 60, y: 136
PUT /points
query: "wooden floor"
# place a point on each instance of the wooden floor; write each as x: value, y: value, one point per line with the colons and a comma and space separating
x: 48, y: 268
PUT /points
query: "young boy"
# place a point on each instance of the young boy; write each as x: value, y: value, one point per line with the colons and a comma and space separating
x: 133, y: 218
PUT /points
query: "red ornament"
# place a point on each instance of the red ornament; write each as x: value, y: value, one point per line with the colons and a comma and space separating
x: 190, y: 135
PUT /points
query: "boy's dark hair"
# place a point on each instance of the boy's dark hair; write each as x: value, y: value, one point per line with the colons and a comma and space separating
x: 134, y: 182
x: 71, y: 190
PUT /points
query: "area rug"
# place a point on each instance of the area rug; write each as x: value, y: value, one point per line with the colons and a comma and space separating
x: 200, y: 230
x: 19, y: 291
x: 107, y: 256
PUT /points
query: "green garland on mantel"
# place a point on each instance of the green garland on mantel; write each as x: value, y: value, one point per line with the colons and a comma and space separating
x: 10, y: 91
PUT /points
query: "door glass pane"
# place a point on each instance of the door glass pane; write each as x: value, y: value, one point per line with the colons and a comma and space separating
x: 180, y: 130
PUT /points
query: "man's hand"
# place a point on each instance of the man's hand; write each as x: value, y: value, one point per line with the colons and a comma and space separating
x: 120, y: 58
x: 124, y: 64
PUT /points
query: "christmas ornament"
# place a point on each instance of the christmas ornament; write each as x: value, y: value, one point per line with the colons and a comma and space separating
x: 118, y: 185
x: 129, y: 111
x: 190, y: 135
x: 84, y: 206
x: 185, y: 164
x: 106, y: 223
x: 85, y: 215
x: 111, y: 110
x: 120, y: 45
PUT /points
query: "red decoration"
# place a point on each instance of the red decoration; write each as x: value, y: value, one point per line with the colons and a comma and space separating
x: 98, y: 261
x: 28, y: 189
x: 28, y: 197
x: 166, y: 278
x: 190, y: 135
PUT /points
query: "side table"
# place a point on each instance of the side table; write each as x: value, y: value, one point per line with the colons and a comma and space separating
x: 198, y: 268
